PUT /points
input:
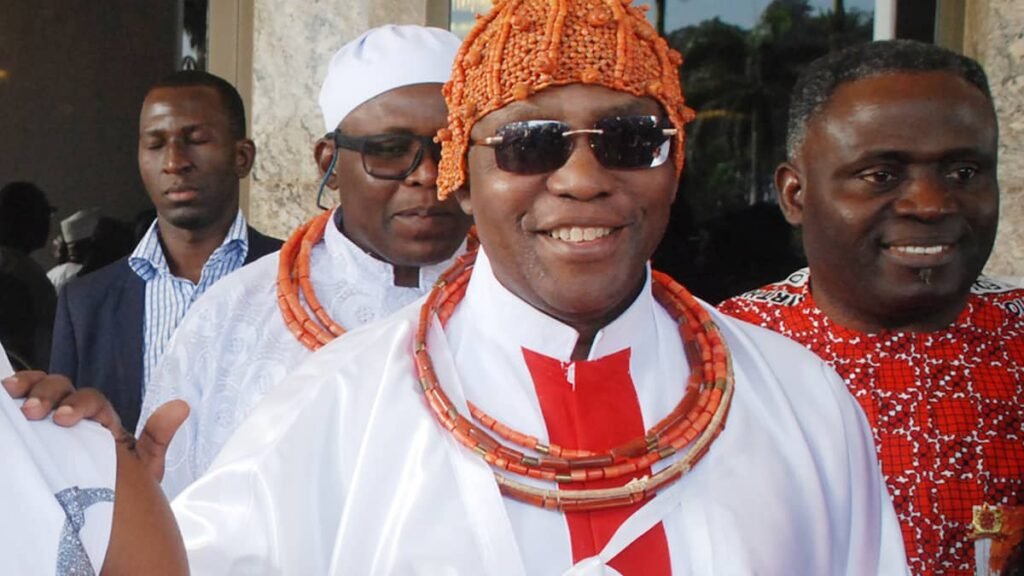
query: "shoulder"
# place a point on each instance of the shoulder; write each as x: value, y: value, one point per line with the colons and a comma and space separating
x: 367, y: 342
x: 260, y: 244
x: 254, y: 279
x: 99, y: 283
x: 768, y: 346
x: 774, y: 371
x: 985, y: 286
x: 359, y: 362
x: 1006, y: 295
x: 755, y: 305
x: 244, y: 300
x: 346, y: 376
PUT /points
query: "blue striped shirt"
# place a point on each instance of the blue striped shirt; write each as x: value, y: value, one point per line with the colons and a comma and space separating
x: 169, y: 297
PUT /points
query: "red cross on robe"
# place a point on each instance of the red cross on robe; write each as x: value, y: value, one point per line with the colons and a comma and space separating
x: 593, y: 405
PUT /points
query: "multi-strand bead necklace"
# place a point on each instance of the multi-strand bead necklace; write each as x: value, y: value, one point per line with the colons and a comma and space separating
x: 695, y: 421
x: 293, y: 278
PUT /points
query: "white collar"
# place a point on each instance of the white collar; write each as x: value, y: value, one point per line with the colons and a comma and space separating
x: 370, y: 269
x: 494, y: 308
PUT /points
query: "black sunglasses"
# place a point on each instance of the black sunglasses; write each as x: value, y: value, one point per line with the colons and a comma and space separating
x: 389, y: 156
x: 618, y: 142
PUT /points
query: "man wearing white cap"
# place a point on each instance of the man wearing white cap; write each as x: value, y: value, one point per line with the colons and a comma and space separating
x: 383, y: 249
x: 77, y: 231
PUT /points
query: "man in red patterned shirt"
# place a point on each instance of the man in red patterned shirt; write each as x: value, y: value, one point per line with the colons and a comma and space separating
x: 891, y: 178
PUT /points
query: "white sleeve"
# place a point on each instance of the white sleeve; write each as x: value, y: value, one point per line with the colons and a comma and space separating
x: 875, y: 540
x: 183, y: 368
x: 270, y: 502
x: 56, y: 494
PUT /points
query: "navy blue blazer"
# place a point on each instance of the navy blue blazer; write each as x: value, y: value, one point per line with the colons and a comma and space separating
x: 97, y: 335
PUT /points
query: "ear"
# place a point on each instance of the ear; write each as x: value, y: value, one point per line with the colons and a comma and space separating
x: 245, y: 155
x: 323, y: 153
x: 790, y: 185
x: 463, y: 198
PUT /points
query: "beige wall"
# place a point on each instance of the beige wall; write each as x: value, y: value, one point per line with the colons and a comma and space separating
x: 292, y: 45
x: 994, y: 34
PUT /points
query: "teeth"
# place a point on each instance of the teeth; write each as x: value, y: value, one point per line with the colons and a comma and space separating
x: 577, y: 234
x: 920, y: 249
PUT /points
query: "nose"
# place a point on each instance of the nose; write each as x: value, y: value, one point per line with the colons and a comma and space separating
x: 582, y: 177
x: 176, y: 158
x: 926, y: 197
x: 425, y: 173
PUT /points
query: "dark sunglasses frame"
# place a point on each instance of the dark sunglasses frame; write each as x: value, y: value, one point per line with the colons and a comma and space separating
x: 505, y: 151
x: 359, y: 143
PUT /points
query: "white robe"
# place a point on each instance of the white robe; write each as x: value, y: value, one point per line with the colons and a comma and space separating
x: 343, y: 470
x: 233, y: 346
x: 43, y: 463
x: 60, y: 274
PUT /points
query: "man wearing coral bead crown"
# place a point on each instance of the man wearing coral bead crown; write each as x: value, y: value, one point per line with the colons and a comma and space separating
x: 380, y: 251
x: 552, y: 406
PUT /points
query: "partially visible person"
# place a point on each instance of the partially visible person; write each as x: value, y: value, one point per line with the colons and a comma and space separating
x: 57, y: 498
x: 76, y: 233
x: 112, y: 240
x: 891, y: 179
x: 381, y: 250
x: 112, y: 325
x: 27, y: 298
x: 58, y: 249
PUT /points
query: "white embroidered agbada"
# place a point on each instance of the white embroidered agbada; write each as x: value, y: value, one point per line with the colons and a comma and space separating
x: 56, y: 493
x: 343, y: 469
x: 233, y: 346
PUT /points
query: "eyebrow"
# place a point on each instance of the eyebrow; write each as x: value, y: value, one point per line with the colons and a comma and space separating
x: 160, y: 131
x: 905, y: 157
x: 632, y: 108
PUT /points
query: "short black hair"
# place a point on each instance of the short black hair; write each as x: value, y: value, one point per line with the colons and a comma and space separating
x: 825, y: 75
x: 229, y: 96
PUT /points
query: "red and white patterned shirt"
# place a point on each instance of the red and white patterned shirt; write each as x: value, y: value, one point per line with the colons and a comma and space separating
x: 946, y: 407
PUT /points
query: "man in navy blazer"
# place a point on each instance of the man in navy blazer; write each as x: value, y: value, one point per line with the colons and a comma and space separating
x: 112, y: 325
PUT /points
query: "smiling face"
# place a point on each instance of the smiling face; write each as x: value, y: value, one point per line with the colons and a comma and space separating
x: 572, y: 242
x: 399, y: 221
x: 895, y: 190
x: 189, y: 159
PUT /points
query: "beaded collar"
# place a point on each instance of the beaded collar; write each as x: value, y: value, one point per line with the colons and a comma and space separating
x: 294, y: 277
x: 695, y: 421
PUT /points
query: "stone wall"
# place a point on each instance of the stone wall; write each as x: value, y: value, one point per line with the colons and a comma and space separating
x: 293, y: 43
x: 994, y: 35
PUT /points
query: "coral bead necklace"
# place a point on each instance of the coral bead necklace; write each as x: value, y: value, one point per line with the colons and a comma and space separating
x: 695, y: 422
x: 293, y: 277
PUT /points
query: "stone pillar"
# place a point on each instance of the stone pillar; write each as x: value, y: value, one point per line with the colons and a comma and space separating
x: 293, y: 42
x: 994, y: 35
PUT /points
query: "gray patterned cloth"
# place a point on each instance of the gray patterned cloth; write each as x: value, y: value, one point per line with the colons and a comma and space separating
x: 71, y: 556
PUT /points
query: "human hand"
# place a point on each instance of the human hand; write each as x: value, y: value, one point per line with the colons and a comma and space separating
x: 144, y: 538
x: 43, y: 393
x: 55, y: 393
